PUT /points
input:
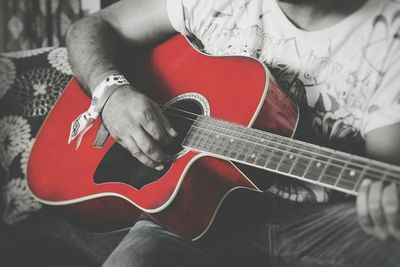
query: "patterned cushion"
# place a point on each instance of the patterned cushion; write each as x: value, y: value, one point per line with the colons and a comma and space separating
x: 30, y: 83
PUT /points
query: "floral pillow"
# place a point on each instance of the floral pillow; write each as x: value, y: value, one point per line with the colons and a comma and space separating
x: 30, y: 83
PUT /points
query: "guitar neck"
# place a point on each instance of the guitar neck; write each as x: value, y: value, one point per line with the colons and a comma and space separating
x: 307, y: 162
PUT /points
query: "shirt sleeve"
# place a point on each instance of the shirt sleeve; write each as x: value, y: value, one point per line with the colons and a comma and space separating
x: 176, y: 15
x: 383, y: 109
x: 189, y: 17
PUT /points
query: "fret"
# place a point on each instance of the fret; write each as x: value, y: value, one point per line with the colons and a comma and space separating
x: 194, y: 133
x: 303, y: 161
x: 265, y: 152
x: 260, y: 148
x: 230, y: 145
x: 277, y: 154
x: 251, y: 144
x: 324, y: 177
x: 349, y: 177
x: 374, y: 172
x: 360, y: 178
x: 227, y: 147
x: 215, y: 129
x: 205, y: 135
x: 223, y: 138
x: 340, y: 180
x: 285, y: 155
x: 246, y: 147
x: 272, y: 144
x: 316, y: 167
x: 263, y: 156
x: 188, y: 141
x: 255, y: 148
x: 309, y: 166
x: 237, y: 143
x: 192, y: 136
x: 220, y: 135
x: 255, y: 153
x: 333, y: 168
x: 302, y: 164
x: 298, y: 153
x: 286, y: 164
x: 212, y: 132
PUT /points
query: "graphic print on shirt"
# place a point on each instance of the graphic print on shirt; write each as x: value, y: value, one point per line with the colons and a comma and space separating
x: 339, y: 79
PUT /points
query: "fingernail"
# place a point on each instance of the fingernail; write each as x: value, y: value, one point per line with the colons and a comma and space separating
x: 160, y: 168
x: 366, y: 182
x: 172, y: 132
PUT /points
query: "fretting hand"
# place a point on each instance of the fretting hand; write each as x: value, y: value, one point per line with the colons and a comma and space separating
x: 379, y: 210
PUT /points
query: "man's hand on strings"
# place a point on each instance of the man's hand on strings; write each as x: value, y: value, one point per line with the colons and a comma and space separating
x: 379, y: 210
x: 138, y: 124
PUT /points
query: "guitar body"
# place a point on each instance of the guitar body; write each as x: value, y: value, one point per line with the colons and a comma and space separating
x: 187, y: 195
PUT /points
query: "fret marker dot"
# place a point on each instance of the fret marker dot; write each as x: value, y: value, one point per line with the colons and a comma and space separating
x: 217, y: 136
x: 291, y: 156
x: 231, y: 140
x: 253, y: 155
x: 318, y: 164
x: 262, y: 140
x: 352, y: 173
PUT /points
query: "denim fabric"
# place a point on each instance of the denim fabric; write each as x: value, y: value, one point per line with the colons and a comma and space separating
x: 326, y: 235
x: 291, y: 234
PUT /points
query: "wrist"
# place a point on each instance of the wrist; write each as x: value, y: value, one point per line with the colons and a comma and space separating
x: 118, y: 96
x: 101, y: 94
x: 96, y: 79
x: 105, y: 89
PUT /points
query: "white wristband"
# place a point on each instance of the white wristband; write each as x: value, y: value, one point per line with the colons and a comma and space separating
x: 100, y: 96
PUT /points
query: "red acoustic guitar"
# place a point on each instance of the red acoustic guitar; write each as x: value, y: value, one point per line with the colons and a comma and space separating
x: 234, y: 124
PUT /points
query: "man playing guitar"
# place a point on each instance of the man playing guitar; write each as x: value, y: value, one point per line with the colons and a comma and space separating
x: 339, y: 59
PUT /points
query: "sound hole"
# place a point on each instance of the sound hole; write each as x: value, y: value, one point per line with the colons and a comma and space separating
x: 118, y: 165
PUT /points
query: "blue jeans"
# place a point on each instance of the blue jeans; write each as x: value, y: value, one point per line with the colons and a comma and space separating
x: 290, y: 234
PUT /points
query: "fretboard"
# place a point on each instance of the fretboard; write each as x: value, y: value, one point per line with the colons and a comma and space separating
x: 327, y: 167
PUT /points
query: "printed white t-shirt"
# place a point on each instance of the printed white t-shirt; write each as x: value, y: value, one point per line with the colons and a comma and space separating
x: 346, y: 76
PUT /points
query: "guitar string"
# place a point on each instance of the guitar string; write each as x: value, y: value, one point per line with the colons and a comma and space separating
x: 305, y: 144
x: 368, y: 161
x: 281, y: 138
x: 325, y: 174
x: 341, y: 178
x: 286, y: 139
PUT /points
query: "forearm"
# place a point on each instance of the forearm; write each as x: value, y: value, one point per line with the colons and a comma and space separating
x: 132, y: 119
x: 92, y: 46
x: 93, y: 42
